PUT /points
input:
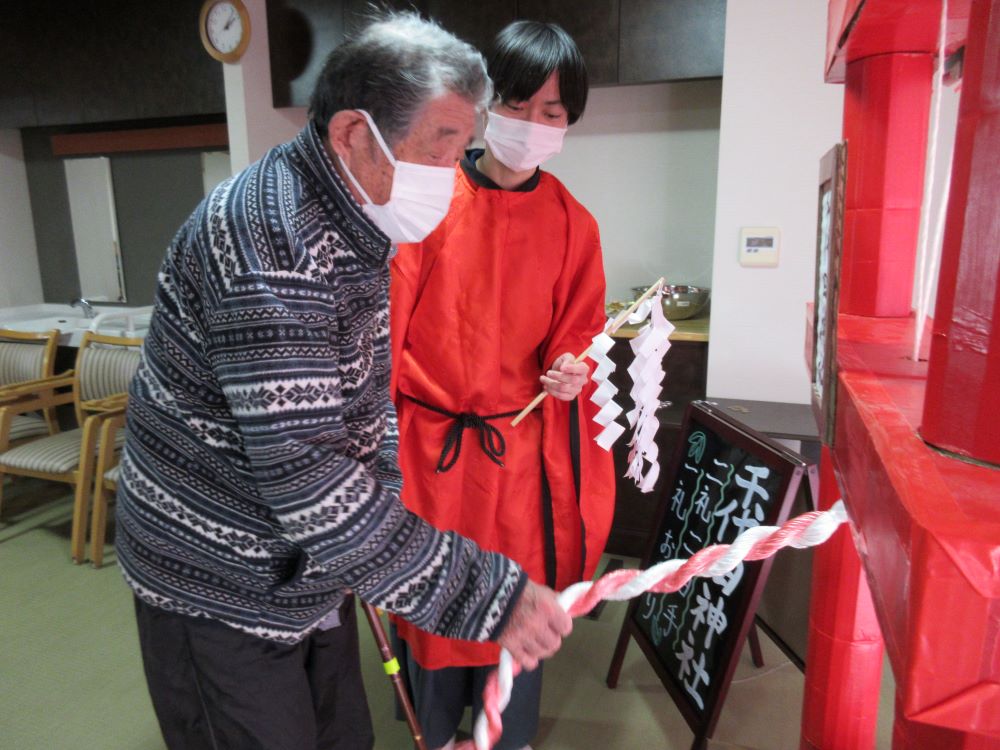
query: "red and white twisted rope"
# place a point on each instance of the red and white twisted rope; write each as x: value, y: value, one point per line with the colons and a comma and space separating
x: 807, y: 530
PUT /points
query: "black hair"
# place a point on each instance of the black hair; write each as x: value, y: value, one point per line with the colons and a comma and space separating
x: 525, y: 54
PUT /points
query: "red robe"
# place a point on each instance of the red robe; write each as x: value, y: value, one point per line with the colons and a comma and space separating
x: 480, y: 309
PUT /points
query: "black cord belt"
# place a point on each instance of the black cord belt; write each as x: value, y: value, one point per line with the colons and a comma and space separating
x: 490, y: 438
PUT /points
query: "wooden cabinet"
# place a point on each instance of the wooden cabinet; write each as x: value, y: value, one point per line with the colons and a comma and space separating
x: 173, y: 76
x: 592, y: 24
x: 84, y: 62
x: 622, y: 41
x: 686, y: 366
x: 18, y: 81
x: 301, y: 34
x: 73, y: 63
x: 476, y: 23
x: 670, y: 40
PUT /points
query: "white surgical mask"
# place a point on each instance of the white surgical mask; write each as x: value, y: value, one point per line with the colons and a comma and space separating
x: 521, y: 145
x: 419, y: 198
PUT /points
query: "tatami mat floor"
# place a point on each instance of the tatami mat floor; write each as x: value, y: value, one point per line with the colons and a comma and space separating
x: 71, y: 677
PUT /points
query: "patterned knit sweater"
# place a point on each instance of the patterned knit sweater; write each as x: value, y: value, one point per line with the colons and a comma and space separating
x: 259, y: 479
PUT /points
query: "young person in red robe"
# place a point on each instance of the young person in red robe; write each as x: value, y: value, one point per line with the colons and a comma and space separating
x: 491, y: 307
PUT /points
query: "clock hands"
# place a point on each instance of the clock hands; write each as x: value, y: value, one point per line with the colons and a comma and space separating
x: 232, y: 17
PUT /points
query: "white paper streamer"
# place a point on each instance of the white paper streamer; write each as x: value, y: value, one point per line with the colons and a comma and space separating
x: 646, y: 370
x: 604, y: 394
x: 642, y: 311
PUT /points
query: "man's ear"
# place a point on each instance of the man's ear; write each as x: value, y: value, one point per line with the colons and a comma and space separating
x: 344, y: 131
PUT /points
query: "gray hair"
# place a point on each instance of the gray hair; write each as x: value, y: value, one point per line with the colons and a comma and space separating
x: 393, y: 68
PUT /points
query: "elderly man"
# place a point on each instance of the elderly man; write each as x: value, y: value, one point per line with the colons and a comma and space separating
x: 259, y: 482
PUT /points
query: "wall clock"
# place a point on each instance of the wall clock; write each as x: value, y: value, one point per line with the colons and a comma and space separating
x: 225, y: 29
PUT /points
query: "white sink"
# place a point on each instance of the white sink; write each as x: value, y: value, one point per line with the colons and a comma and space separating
x: 61, y: 322
x: 133, y: 322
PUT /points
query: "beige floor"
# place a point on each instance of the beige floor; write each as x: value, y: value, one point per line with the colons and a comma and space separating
x: 70, y: 675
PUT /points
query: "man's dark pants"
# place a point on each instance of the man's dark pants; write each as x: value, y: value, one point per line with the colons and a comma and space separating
x: 217, y: 688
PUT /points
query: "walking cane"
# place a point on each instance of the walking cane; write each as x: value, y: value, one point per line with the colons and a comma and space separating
x: 391, y: 666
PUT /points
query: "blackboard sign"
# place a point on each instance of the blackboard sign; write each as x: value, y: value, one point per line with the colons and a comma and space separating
x: 725, y: 478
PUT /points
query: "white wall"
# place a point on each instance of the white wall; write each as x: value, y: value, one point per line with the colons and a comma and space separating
x: 778, y: 119
x: 254, y: 124
x: 20, y: 279
x: 643, y: 161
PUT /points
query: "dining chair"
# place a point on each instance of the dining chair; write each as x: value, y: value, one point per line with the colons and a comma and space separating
x: 105, y: 480
x: 104, y: 367
x: 27, y: 360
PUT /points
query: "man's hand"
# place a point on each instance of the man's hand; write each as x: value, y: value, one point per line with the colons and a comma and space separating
x: 536, y: 626
x: 566, y: 378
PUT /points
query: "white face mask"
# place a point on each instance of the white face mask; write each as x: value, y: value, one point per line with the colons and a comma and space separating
x: 419, y: 198
x: 521, y: 145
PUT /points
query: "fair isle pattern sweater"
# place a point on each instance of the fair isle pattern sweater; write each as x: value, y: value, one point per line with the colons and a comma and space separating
x: 259, y: 479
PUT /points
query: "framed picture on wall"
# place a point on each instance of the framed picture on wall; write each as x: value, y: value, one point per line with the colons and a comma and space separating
x: 829, y: 244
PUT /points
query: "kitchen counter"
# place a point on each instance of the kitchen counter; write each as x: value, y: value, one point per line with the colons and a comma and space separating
x: 692, y: 329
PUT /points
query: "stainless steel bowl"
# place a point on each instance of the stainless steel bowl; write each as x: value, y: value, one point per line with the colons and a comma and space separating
x: 680, y: 301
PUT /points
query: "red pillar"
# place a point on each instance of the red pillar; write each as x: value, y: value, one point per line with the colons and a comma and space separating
x: 886, y: 107
x: 844, y: 658
x: 962, y: 401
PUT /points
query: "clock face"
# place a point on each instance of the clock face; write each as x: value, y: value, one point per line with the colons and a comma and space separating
x: 224, y: 27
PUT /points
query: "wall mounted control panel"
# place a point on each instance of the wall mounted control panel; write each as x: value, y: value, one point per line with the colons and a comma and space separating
x: 759, y: 246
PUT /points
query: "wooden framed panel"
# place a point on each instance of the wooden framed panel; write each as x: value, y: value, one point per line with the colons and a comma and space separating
x: 829, y: 245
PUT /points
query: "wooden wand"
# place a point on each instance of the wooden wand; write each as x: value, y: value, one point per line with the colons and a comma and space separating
x: 615, y: 325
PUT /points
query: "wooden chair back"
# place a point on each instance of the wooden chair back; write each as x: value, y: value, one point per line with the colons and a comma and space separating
x: 27, y: 355
x: 26, y: 358
x: 104, y: 368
